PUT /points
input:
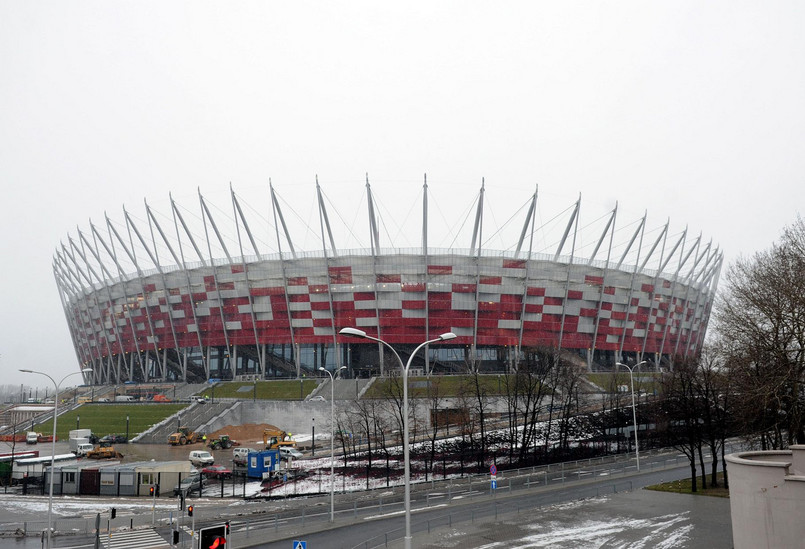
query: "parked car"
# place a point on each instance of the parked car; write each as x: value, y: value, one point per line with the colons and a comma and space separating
x: 240, y: 455
x: 113, y: 439
x: 317, y: 398
x: 104, y: 400
x: 216, y: 471
x: 188, y: 485
x: 201, y: 458
x: 287, y: 453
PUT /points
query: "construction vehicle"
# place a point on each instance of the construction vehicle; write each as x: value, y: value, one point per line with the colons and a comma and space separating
x: 276, y: 438
x: 104, y: 452
x: 184, y: 436
x: 221, y: 443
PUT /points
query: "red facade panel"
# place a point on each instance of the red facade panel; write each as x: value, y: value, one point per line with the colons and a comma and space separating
x: 440, y: 269
x: 340, y: 275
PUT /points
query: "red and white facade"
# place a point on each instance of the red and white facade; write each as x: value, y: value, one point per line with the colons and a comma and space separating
x: 279, y: 315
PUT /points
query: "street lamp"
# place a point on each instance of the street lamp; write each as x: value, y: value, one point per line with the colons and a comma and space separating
x: 332, y: 437
x: 53, y: 441
x: 634, y: 408
x: 406, y: 454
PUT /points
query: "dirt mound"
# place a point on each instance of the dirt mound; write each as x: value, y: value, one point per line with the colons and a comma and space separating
x: 245, y: 434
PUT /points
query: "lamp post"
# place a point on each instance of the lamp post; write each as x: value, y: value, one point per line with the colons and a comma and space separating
x: 127, y: 428
x: 634, y: 408
x: 332, y: 438
x: 406, y: 453
x: 53, y: 441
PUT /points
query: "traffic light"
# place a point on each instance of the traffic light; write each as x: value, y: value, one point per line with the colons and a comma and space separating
x: 175, y: 537
x: 213, y: 537
x: 113, y: 514
x: 151, y: 490
x: 189, y: 510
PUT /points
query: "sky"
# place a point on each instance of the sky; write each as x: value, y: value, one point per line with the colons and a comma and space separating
x: 686, y: 111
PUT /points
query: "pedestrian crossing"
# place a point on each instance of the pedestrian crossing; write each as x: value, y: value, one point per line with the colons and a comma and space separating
x: 134, y: 539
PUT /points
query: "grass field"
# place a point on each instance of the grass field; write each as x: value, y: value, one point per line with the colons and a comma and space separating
x: 104, y: 419
x: 448, y: 386
x: 284, y: 389
x: 646, y: 382
x: 683, y: 487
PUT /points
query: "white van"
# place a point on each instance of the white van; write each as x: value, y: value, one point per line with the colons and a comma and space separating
x: 31, y: 437
x: 200, y: 458
x: 240, y: 455
x: 82, y: 449
x: 124, y: 398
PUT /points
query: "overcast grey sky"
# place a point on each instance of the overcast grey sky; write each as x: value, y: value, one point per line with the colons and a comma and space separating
x: 690, y: 110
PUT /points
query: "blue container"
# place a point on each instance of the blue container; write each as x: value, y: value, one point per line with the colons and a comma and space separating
x: 262, y: 462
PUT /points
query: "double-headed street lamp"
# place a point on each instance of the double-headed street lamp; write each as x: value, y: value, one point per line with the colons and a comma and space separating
x: 634, y: 408
x: 332, y: 438
x: 406, y: 454
x: 53, y: 442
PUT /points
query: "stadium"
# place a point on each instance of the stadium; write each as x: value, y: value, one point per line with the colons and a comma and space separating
x: 188, y: 297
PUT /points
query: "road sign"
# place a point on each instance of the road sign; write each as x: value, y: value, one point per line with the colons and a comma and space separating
x: 494, y: 485
x: 299, y: 544
x: 493, y: 470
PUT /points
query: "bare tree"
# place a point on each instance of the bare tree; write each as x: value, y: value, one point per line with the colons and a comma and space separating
x: 681, y: 405
x: 525, y: 392
x: 434, y: 398
x: 761, y: 312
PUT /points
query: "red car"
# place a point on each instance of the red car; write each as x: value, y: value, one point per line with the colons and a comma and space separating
x: 216, y: 471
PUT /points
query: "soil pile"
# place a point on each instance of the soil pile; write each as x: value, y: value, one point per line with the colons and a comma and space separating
x: 245, y: 434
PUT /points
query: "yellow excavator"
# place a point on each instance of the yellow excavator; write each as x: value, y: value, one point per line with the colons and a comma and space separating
x: 274, y: 438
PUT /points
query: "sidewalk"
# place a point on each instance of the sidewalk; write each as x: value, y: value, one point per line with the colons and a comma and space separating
x: 643, y: 519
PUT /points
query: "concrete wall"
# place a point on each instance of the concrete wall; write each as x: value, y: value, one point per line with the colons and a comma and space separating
x: 296, y: 416
x: 767, y: 498
x: 291, y: 416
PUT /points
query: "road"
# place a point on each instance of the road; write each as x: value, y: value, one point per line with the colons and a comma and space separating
x: 377, y: 517
x: 475, y: 507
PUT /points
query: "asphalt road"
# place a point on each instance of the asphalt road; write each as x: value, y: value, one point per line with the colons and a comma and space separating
x: 511, y: 520
x: 467, y: 516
